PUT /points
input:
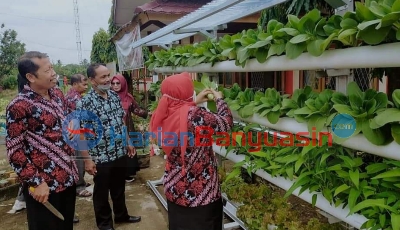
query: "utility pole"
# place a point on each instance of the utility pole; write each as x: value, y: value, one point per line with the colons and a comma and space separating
x: 77, y: 31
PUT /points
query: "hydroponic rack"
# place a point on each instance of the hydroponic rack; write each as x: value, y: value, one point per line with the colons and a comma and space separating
x: 385, y: 55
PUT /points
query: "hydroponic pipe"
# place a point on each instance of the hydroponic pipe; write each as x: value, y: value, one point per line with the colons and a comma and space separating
x: 379, y: 56
x: 322, y: 203
x: 358, y: 142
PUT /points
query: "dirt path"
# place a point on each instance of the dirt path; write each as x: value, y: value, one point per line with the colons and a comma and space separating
x: 139, y: 198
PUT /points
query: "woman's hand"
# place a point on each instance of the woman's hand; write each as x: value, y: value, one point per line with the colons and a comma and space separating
x: 217, y: 94
x: 202, y: 97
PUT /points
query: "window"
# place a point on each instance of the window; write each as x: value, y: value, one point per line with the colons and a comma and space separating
x: 229, y: 79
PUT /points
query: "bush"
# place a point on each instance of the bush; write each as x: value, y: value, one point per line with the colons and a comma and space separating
x: 9, y: 82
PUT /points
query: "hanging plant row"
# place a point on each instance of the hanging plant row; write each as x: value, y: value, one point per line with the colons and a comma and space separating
x: 366, y: 184
x: 376, y: 117
x: 374, y: 22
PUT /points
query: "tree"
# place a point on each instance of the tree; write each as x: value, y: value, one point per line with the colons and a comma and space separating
x: 69, y: 69
x: 294, y: 7
x: 10, y: 50
x: 101, y: 48
x: 85, y: 62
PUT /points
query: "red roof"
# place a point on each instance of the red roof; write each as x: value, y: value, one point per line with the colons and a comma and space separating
x: 171, y: 6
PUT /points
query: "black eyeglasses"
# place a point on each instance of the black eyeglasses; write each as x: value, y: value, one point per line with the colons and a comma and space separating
x: 115, y: 83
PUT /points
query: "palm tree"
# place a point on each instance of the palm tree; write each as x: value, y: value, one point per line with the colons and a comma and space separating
x: 295, y: 7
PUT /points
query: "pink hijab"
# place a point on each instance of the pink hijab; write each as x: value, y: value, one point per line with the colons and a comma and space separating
x: 126, y: 98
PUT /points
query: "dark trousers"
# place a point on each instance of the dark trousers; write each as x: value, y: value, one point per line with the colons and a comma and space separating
x: 110, y: 179
x: 39, y: 217
x: 208, y: 217
x: 132, y: 165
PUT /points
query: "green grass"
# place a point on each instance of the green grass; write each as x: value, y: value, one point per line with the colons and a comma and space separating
x: 5, y: 97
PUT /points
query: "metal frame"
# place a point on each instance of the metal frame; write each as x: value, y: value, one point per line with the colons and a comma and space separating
x: 213, y: 14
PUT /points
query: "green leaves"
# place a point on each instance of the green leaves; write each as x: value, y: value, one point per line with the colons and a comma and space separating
x: 373, y: 23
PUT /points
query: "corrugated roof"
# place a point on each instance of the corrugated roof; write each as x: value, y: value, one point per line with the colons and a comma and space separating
x: 171, y: 7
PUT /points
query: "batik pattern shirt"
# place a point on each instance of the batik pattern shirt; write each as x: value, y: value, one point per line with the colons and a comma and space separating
x: 35, y: 145
x: 72, y: 97
x: 199, y: 184
x: 112, y: 144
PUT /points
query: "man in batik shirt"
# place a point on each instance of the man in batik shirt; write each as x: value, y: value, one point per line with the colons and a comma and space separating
x: 79, y: 85
x: 36, y: 148
x: 107, y: 160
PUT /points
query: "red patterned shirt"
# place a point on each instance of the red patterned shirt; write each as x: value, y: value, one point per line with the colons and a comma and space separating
x: 35, y: 146
x: 71, y: 98
x: 199, y: 185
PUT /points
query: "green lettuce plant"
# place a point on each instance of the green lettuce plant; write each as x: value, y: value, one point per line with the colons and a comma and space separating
x: 363, y: 107
x: 269, y: 104
x: 317, y: 111
x: 205, y: 83
x: 390, y: 116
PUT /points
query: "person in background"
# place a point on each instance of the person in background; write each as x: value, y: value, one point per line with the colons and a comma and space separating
x: 79, y: 85
x: 107, y: 160
x: 191, y: 182
x: 36, y: 148
x: 120, y: 86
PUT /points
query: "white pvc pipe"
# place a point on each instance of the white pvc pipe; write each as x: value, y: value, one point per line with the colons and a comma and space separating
x: 379, y: 56
x: 358, y: 142
x: 322, y: 203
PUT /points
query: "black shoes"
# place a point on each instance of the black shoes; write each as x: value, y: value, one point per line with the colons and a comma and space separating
x: 131, y: 219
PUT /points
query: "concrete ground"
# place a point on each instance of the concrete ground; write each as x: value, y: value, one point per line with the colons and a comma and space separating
x: 140, y: 200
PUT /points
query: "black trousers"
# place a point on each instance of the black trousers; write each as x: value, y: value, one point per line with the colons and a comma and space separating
x: 207, y: 217
x: 110, y: 179
x: 132, y: 165
x: 39, y: 217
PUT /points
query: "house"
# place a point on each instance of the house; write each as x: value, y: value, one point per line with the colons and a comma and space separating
x: 151, y: 16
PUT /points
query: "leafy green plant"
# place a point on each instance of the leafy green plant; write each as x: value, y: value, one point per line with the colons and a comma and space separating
x: 363, y: 106
x: 156, y: 88
x: 261, y: 207
x: 366, y: 185
x: 298, y: 100
x: 372, y: 23
x: 205, y: 83
x: 269, y: 104
x: 317, y: 111
x: 231, y: 93
x: 243, y: 103
x: 390, y: 115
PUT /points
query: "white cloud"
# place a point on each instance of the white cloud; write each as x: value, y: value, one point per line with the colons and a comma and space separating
x: 48, y: 25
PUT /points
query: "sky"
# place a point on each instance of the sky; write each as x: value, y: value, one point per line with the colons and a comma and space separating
x: 48, y: 26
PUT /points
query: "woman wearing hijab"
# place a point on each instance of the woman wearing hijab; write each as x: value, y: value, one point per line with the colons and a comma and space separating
x: 120, y: 86
x: 191, y: 182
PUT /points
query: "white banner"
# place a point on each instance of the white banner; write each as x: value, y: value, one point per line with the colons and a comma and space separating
x: 128, y: 58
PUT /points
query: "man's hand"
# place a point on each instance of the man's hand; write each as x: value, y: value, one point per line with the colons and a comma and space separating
x: 202, y: 97
x: 90, y: 167
x: 131, y: 151
x: 40, y: 193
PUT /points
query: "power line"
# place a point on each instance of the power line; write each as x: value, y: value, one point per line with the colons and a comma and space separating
x: 61, y: 48
x: 47, y: 20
